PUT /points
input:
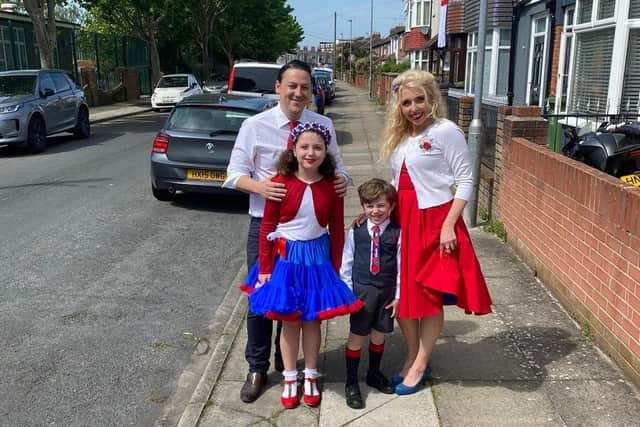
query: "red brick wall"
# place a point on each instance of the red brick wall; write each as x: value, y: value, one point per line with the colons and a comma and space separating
x: 580, y: 231
x: 555, y: 60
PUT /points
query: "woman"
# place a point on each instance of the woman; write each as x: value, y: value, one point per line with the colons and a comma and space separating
x: 428, y: 155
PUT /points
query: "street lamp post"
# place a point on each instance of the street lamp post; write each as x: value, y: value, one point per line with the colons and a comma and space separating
x: 350, y: 45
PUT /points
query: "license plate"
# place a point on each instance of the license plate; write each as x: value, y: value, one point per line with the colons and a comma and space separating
x: 633, y: 179
x: 205, y: 175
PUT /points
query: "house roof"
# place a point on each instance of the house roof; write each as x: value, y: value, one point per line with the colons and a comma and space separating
x: 398, y: 29
x: 15, y: 16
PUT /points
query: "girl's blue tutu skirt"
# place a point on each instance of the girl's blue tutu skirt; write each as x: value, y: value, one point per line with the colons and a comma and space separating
x: 303, y: 286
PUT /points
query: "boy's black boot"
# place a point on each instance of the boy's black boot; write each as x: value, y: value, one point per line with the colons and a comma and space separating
x: 353, y: 396
x: 375, y: 378
x: 352, y: 389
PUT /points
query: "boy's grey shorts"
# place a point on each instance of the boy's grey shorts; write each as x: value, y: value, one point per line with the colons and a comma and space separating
x: 373, y: 315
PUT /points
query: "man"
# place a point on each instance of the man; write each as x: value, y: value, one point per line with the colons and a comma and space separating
x: 253, y: 162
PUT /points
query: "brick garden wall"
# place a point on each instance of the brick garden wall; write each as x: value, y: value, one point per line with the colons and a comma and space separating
x: 578, y: 228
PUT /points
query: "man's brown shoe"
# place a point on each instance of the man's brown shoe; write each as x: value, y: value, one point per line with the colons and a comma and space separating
x: 252, y: 386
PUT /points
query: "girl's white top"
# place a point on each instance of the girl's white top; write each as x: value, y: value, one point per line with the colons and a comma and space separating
x: 436, y: 159
x: 304, y: 226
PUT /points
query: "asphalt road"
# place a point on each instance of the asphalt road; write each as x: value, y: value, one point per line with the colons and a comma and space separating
x: 99, y: 281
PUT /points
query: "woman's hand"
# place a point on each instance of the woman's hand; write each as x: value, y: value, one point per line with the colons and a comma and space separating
x: 272, y: 190
x: 340, y: 184
x: 448, y: 241
x: 357, y: 221
x: 393, y: 307
x: 262, y: 279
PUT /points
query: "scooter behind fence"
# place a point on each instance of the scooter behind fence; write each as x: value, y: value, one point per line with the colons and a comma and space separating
x: 612, y: 148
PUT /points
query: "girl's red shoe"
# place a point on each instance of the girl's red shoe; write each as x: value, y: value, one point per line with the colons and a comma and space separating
x: 291, y: 401
x: 311, y: 399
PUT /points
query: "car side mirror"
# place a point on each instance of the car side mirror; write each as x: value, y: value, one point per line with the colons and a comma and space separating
x: 47, y: 92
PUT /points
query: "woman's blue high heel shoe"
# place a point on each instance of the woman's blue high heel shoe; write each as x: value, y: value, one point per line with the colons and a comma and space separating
x: 402, y: 389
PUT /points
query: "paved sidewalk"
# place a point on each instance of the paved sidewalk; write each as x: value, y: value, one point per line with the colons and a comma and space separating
x: 119, y: 109
x: 526, y: 364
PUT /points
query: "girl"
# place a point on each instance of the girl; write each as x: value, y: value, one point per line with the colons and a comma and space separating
x: 428, y: 154
x: 296, y: 277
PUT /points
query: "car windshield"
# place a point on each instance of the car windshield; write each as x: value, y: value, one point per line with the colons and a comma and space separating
x: 17, y: 85
x: 255, y: 79
x: 173, y: 81
x: 324, y: 74
x: 203, y: 119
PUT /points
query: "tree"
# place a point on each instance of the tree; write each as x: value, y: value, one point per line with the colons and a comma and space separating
x: 141, y: 18
x: 43, y: 16
x: 257, y: 29
x: 204, y: 13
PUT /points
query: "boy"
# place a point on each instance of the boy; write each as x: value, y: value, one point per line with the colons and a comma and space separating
x: 370, y: 268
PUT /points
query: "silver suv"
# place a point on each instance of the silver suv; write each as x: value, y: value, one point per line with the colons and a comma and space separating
x: 37, y: 103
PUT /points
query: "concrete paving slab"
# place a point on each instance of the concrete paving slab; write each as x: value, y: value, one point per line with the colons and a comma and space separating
x: 591, y: 403
x: 333, y: 365
x: 459, y: 324
x: 417, y: 410
x: 266, y: 410
x: 566, y: 359
x: 542, y: 319
x: 480, y: 358
x: 494, y: 403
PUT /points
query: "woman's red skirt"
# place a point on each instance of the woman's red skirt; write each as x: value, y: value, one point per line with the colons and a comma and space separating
x: 428, y: 278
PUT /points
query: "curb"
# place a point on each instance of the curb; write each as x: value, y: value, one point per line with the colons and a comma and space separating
x: 223, y: 328
x: 118, y: 115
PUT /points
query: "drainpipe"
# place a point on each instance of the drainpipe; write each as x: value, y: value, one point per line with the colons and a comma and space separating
x: 475, y: 129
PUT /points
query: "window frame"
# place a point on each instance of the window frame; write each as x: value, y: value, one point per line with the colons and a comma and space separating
x: 5, y: 49
x: 623, y: 25
x: 20, y: 43
x: 492, y: 53
x: 567, y: 41
x: 545, y: 58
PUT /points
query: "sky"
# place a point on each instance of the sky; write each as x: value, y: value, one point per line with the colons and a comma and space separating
x: 316, y: 18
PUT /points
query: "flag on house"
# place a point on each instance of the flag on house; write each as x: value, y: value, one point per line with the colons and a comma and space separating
x: 442, y: 27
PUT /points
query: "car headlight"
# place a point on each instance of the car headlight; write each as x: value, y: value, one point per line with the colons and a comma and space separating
x: 11, y: 108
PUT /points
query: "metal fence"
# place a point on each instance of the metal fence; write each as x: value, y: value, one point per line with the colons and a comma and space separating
x: 107, y: 52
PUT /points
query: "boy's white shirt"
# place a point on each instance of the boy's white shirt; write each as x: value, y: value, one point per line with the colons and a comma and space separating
x: 346, y: 269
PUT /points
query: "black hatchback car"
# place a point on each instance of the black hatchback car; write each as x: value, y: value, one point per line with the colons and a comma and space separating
x: 191, y: 152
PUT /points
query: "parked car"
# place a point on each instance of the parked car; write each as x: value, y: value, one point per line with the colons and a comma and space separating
x: 38, y: 103
x: 191, y: 152
x: 173, y: 88
x: 254, y: 79
x: 328, y: 74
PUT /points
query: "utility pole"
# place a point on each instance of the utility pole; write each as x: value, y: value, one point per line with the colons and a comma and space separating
x: 475, y: 129
x: 371, y: 52
x: 335, y: 45
x: 350, y: 45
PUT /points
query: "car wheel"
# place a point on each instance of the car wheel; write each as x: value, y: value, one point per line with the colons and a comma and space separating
x: 36, y: 135
x: 162, y: 195
x: 83, y: 127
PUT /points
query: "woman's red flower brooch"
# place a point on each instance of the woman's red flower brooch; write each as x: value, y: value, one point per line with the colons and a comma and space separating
x: 425, y: 145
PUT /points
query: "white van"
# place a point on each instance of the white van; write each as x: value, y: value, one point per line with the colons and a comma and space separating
x: 254, y: 79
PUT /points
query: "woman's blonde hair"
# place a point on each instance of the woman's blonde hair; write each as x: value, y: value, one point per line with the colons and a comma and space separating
x: 396, y: 126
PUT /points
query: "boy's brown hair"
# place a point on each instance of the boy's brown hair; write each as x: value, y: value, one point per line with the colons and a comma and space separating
x: 375, y: 188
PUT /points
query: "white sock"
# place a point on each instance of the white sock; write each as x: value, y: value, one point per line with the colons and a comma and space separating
x: 310, y: 388
x: 290, y: 390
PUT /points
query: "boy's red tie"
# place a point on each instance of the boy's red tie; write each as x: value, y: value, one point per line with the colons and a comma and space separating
x: 375, y: 250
